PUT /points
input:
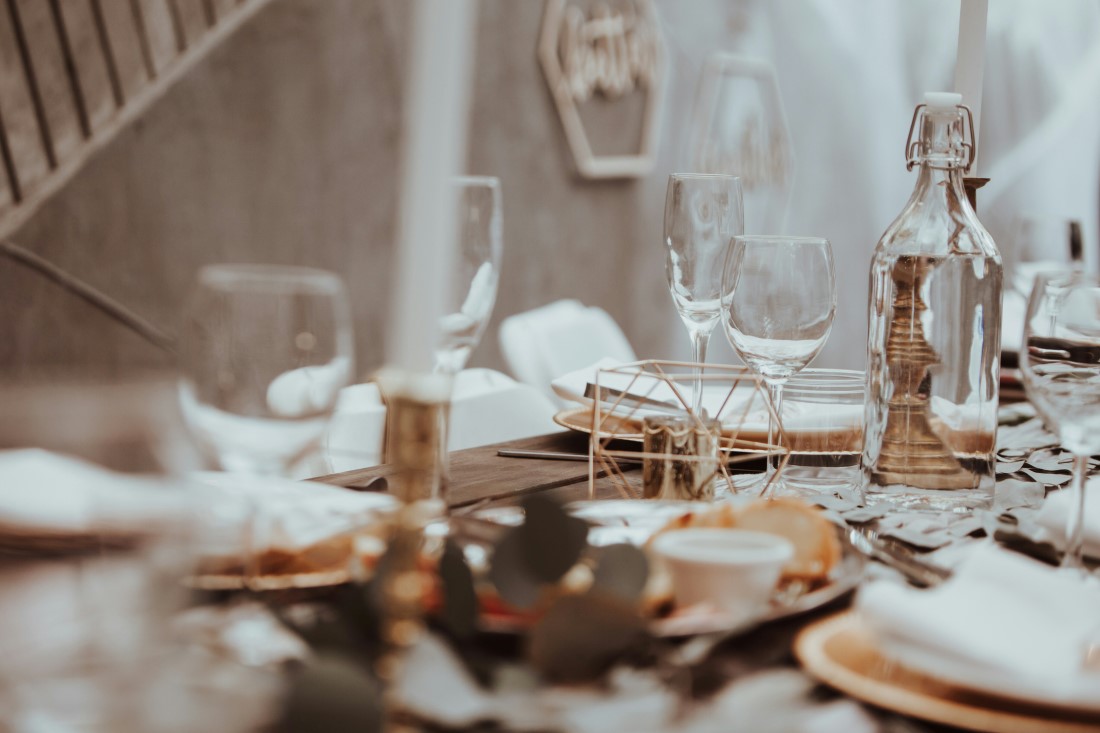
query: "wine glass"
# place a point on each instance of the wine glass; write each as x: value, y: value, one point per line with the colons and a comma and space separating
x: 265, y: 350
x: 474, y: 274
x: 1060, y: 364
x: 1044, y: 244
x: 703, y: 212
x: 780, y: 298
x: 738, y: 127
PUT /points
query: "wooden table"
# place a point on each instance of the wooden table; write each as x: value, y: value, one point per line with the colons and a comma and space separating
x: 479, y: 475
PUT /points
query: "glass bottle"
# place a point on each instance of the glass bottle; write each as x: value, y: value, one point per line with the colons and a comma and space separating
x: 934, y: 332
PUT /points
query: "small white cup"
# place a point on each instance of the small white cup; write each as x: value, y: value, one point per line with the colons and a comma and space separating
x: 734, y: 570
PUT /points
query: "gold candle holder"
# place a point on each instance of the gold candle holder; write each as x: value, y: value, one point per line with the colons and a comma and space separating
x: 625, y: 396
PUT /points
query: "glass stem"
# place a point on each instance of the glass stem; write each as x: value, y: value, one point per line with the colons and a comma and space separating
x: 1075, y: 521
x: 699, y: 341
x: 775, y: 388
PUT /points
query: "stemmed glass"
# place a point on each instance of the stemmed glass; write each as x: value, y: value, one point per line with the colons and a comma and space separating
x: 264, y: 353
x: 265, y: 350
x: 1060, y: 363
x: 1044, y: 244
x: 703, y: 212
x: 738, y: 127
x: 780, y: 298
x: 475, y: 272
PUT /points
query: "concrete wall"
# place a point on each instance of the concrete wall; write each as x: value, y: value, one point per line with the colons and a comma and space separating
x: 283, y: 147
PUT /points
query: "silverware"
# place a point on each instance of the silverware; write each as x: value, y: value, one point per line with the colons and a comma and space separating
x: 554, y: 455
x: 917, y: 571
x: 626, y: 399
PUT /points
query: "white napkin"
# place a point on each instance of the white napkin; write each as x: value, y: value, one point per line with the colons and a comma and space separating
x: 293, y: 515
x: 48, y: 492
x: 1054, y: 513
x: 1001, y: 616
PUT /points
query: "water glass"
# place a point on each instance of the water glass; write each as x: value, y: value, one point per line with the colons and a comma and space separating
x: 822, y: 416
x: 265, y: 350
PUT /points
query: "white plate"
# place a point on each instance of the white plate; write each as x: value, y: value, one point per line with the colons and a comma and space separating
x: 1080, y: 692
x: 634, y: 521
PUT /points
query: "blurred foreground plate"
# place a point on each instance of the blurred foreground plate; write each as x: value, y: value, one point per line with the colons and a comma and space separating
x: 310, y: 531
x: 634, y: 521
x: 842, y: 653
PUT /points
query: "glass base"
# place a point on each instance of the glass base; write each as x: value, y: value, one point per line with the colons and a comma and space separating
x: 907, y: 498
x: 795, y: 484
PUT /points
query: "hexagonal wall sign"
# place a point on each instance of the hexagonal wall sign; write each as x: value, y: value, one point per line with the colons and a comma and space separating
x: 604, y: 62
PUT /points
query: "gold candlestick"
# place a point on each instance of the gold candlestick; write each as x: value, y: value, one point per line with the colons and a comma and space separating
x: 912, y: 454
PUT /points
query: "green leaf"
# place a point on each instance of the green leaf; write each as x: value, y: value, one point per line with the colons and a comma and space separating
x: 581, y: 637
x: 508, y: 571
x: 551, y: 540
x: 621, y: 572
x: 332, y: 694
x: 459, y: 596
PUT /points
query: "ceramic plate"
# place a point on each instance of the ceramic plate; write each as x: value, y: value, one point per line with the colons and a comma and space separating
x: 634, y: 521
x: 309, y: 526
x: 842, y: 653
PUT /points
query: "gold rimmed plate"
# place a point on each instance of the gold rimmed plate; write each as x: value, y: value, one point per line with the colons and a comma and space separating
x: 842, y: 653
x: 838, y: 440
x: 634, y: 521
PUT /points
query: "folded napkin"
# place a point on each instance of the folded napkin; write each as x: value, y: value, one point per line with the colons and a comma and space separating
x: 999, y: 617
x: 291, y: 515
x: 46, y: 492
x: 1054, y: 513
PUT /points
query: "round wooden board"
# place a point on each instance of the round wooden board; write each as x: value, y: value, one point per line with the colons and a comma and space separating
x: 839, y: 652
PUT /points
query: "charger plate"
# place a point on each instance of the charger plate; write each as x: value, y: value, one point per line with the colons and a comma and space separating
x: 841, y: 652
x: 634, y: 521
x: 839, y: 440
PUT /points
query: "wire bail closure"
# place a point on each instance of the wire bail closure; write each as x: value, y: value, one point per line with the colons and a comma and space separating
x: 911, y: 151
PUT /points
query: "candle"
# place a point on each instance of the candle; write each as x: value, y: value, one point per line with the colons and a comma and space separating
x: 970, y: 62
x: 437, y: 100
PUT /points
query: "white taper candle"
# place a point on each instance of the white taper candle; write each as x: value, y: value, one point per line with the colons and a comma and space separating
x: 436, y: 117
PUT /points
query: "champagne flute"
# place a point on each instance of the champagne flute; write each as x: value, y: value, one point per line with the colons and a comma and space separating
x: 703, y: 212
x: 780, y: 298
x: 1060, y: 364
x: 475, y: 272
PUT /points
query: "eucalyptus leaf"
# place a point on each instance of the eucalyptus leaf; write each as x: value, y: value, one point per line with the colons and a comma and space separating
x: 1049, y: 479
x: 581, y: 636
x: 332, y: 694
x: 621, y: 571
x: 509, y: 573
x: 459, y: 596
x: 1048, y: 461
x: 551, y: 540
x: 1009, y: 467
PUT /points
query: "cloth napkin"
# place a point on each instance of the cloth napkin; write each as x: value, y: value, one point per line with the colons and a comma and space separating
x: 42, y: 491
x: 49, y: 493
x: 1054, y: 513
x: 1000, y: 615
